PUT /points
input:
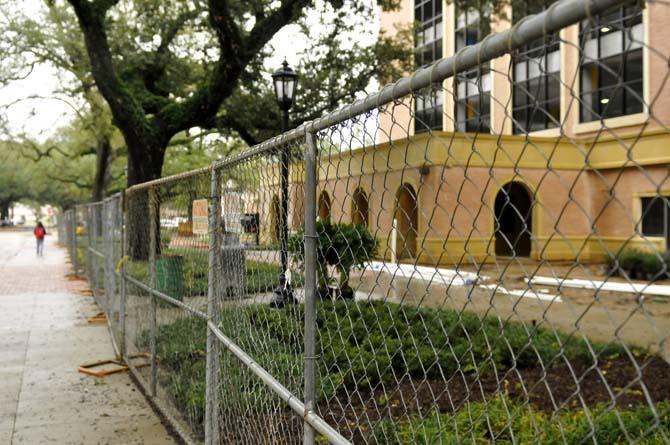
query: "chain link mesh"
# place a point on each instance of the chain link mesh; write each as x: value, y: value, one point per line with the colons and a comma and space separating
x: 253, y: 301
x: 167, y: 249
x: 491, y: 253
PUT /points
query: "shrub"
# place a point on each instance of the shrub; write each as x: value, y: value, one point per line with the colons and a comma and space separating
x: 343, y: 246
x: 638, y: 263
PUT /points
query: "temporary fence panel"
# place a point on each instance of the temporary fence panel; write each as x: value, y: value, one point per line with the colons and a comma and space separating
x: 260, y: 203
x: 166, y: 299
x: 466, y: 256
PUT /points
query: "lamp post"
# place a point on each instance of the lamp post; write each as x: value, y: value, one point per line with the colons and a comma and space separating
x: 284, y: 80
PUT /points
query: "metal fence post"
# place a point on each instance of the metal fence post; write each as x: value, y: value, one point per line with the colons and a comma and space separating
x: 67, y: 232
x: 213, y: 347
x: 73, y: 234
x: 89, y: 239
x: 114, y: 210
x: 310, y: 282
x: 96, y: 240
x: 122, y: 282
x: 151, y: 195
x: 108, y: 261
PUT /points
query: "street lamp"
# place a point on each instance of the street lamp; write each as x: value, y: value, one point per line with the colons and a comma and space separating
x: 284, y: 80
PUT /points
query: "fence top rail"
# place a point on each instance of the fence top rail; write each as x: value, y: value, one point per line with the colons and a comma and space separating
x: 167, y: 179
x: 112, y: 197
x: 264, y: 147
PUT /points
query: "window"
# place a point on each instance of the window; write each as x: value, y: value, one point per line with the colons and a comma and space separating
x: 472, y: 88
x: 428, y: 48
x: 428, y: 110
x: 656, y: 217
x: 536, y: 77
x: 611, y: 70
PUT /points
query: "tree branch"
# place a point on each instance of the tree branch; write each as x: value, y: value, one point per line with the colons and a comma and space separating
x: 71, y: 180
x: 155, y: 69
x: 128, y: 114
x: 225, y: 27
x: 266, y: 28
x: 40, y: 154
x: 236, y: 53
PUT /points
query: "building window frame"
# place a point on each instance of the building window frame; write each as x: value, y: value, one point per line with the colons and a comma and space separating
x: 646, y: 209
x: 628, y: 23
x: 538, y: 62
x: 428, y: 104
x: 472, y: 88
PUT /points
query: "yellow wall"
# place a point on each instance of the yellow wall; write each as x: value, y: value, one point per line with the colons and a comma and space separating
x: 585, y: 193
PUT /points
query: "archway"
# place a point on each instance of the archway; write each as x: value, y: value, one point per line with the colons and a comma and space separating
x: 359, y: 208
x: 407, y: 220
x: 275, y: 212
x: 324, y: 206
x: 513, y: 220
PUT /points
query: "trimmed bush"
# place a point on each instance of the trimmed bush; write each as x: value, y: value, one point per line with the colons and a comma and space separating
x: 639, y: 264
x: 343, y: 246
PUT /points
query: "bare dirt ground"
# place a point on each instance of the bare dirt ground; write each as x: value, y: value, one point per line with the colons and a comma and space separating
x: 548, y: 390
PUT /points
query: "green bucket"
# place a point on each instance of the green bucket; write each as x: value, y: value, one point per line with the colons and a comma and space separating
x: 170, y: 276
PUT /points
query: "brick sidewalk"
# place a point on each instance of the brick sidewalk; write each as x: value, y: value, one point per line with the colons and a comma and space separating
x: 44, y: 337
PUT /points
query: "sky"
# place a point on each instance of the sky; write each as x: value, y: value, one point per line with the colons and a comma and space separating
x: 40, y: 118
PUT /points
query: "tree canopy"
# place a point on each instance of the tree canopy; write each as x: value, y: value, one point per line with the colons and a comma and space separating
x: 146, y: 77
x: 164, y: 68
x: 21, y: 179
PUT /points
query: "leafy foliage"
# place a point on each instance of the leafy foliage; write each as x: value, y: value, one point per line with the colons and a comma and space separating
x: 505, y: 421
x: 636, y: 263
x: 26, y: 181
x: 379, y: 342
x: 343, y: 246
x: 166, y: 68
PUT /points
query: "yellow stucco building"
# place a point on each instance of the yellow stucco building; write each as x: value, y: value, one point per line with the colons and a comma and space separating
x: 558, y: 152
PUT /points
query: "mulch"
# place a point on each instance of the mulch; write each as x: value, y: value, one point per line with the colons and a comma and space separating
x: 619, y: 383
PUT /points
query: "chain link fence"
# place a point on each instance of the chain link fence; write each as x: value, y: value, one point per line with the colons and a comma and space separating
x: 478, y: 253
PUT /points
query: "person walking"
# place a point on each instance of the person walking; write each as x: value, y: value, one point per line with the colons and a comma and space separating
x: 40, y: 232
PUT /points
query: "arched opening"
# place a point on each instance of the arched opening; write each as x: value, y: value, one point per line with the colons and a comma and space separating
x: 513, y: 220
x: 407, y: 221
x: 275, y: 212
x: 324, y: 206
x: 359, y: 208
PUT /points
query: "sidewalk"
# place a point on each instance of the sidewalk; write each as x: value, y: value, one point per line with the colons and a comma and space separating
x: 44, y: 337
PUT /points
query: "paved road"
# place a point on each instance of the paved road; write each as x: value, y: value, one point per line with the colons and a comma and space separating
x: 44, y: 337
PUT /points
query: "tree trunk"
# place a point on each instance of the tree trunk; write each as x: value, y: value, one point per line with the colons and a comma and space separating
x: 144, y: 164
x: 4, y: 209
x: 103, y: 161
